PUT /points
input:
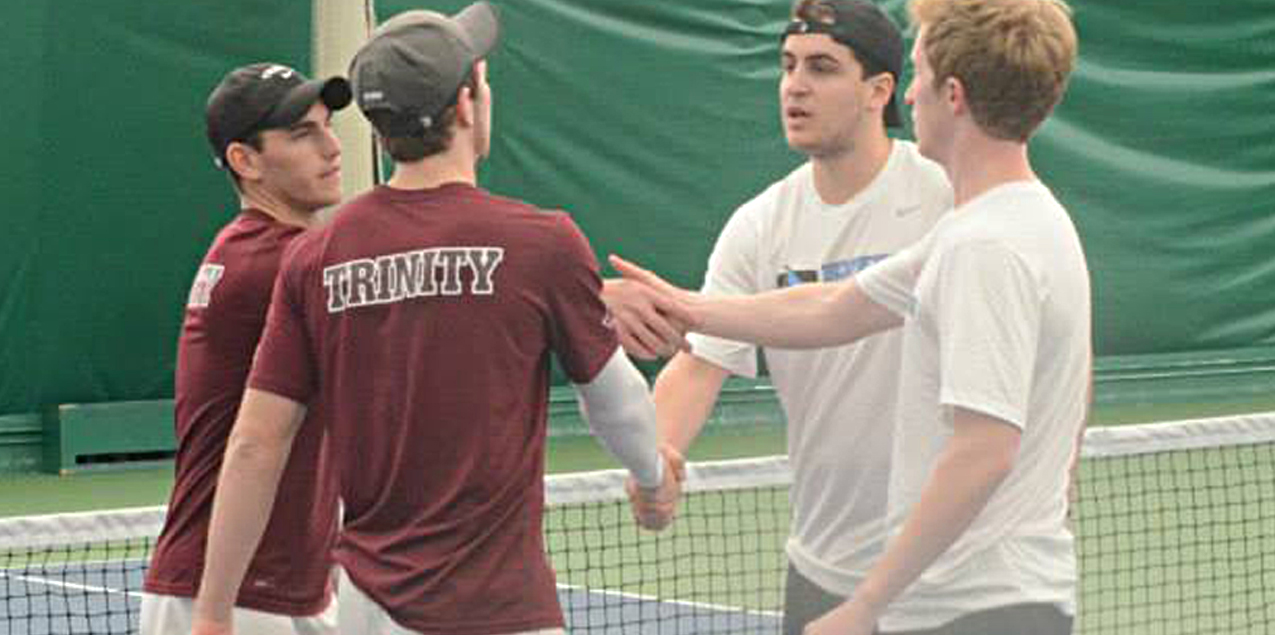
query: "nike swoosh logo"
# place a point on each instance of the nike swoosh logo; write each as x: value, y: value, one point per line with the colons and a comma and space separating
x: 905, y: 211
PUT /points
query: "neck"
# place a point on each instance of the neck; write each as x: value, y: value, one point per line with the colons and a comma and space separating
x: 276, y: 208
x: 980, y: 163
x: 840, y: 177
x: 450, y: 166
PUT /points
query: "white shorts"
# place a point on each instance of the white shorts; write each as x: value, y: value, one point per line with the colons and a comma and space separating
x: 170, y: 614
x: 361, y: 614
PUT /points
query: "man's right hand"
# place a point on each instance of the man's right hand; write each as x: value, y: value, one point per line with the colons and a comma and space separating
x: 645, y: 332
x: 654, y: 508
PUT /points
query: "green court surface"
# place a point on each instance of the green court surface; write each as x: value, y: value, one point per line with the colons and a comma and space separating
x: 149, y: 484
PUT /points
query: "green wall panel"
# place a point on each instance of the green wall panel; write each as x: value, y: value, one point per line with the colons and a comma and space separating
x: 124, y: 197
x: 22, y: 30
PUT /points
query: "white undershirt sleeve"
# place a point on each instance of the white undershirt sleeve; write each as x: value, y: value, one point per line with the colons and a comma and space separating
x: 617, y: 404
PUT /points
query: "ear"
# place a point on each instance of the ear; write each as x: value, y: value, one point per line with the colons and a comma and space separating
x: 465, y: 107
x: 467, y: 100
x: 244, y: 160
x: 954, y: 95
x: 883, y: 86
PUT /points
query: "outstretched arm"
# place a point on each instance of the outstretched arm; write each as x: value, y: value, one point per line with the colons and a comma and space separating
x: 805, y: 316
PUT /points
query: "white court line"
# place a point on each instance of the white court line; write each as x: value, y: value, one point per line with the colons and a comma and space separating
x: 704, y: 606
x: 69, y: 585
x: 687, y: 603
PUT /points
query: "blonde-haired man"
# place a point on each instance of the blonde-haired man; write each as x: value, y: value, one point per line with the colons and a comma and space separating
x: 994, y: 306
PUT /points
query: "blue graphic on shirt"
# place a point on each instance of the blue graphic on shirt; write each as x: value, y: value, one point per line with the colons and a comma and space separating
x: 830, y: 272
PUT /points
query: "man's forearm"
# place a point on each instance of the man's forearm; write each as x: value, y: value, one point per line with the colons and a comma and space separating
x: 805, y: 316
x: 970, y: 468
x: 617, y: 406
x: 245, y: 496
x: 685, y: 393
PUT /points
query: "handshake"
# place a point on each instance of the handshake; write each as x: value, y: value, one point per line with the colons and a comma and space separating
x: 655, y: 508
x: 651, y: 316
x: 651, y: 319
x: 650, y: 325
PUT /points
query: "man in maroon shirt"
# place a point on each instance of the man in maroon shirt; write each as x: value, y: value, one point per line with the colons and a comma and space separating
x: 421, y: 323
x: 270, y: 130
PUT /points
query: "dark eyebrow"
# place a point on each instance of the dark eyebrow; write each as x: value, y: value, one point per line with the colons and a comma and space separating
x: 304, y: 124
x: 826, y: 58
x: 823, y: 57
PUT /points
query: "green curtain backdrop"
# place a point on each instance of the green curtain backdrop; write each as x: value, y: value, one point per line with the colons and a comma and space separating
x: 112, y: 190
x: 649, y: 121
x: 20, y: 190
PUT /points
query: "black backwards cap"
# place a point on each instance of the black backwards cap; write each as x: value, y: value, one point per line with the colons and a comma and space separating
x: 412, y: 67
x: 865, y: 29
x: 265, y: 96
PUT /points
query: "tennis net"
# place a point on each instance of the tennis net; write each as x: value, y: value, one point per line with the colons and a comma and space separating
x: 1175, y: 525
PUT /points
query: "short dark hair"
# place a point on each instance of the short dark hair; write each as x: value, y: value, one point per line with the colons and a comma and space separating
x: 823, y: 11
x: 434, y: 139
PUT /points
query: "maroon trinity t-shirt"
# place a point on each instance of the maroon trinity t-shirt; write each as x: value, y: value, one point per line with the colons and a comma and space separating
x: 422, y: 324
x: 225, y: 314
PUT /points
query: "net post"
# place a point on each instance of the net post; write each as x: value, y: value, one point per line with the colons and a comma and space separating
x: 338, y: 29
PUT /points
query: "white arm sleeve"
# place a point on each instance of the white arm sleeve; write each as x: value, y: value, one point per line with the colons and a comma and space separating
x: 617, y: 404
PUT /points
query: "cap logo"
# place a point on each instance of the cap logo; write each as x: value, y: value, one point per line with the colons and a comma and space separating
x: 799, y: 26
x: 277, y: 69
x: 373, y: 95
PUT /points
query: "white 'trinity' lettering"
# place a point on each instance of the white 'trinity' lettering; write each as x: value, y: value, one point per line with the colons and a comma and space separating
x: 411, y: 274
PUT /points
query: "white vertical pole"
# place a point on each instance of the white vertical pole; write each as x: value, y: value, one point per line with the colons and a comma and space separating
x: 339, y: 28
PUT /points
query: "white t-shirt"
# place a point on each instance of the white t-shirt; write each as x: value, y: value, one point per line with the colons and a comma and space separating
x: 997, y: 320
x: 839, y: 402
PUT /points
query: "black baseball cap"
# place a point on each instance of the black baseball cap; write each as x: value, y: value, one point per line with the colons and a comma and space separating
x: 865, y: 29
x: 412, y: 67
x: 264, y: 96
